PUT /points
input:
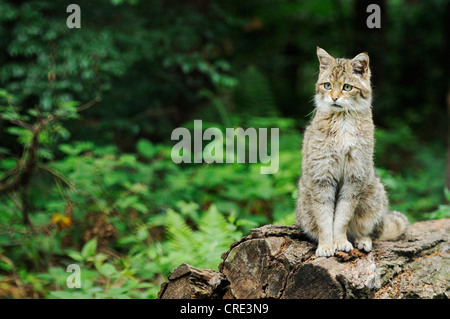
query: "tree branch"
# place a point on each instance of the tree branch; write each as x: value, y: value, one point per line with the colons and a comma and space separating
x: 20, y: 175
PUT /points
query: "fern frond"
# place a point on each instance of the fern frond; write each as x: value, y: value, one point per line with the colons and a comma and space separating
x: 202, y: 247
x: 254, y: 95
x: 179, y: 233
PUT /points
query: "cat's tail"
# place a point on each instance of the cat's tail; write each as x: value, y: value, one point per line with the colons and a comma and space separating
x: 395, y: 224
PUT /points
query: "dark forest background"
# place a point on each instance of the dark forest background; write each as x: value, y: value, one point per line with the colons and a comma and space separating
x: 86, y: 175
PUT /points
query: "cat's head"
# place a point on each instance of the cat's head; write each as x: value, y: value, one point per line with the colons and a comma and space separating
x: 343, y: 84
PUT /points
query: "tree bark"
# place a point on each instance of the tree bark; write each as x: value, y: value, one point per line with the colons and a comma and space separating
x: 278, y: 262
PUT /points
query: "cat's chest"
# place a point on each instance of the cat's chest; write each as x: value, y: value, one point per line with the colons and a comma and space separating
x: 338, y: 148
x: 341, y: 138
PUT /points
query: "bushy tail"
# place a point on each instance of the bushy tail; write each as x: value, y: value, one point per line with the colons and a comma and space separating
x: 395, y: 224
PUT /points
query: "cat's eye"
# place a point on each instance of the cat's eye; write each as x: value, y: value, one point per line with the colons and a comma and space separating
x: 327, y: 86
x: 347, y: 87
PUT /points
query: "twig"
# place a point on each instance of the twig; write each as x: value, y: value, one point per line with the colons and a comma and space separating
x: 15, y: 201
x: 20, y: 175
x: 56, y: 174
x: 18, y: 123
x: 88, y: 104
x: 22, y: 171
x: 38, y: 127
x: 14, y: 273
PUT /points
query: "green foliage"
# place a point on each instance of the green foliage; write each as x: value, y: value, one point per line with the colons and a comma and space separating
x: 411, y: 170
x: 254, y: 95
x: 443, y: 211
x: 203, y: 246
x: 104, y: 192
x: 131, y: 200
x: 199, y: 245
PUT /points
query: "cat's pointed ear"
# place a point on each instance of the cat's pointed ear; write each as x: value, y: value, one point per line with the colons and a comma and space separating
x: 324, y: 58
x: 360, y: 64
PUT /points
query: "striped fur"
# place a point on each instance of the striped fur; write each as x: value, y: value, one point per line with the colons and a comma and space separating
x: 341, y: 199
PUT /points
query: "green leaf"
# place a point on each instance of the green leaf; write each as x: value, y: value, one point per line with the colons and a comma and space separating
x: 447, y: 193
x: 68, y: 149
x: 146, y: 148
x: 24, y: 135
x: 64, y: 295
x: 128, y: 201
x: 75, y: 255
x: 98, y: 259
x: 8, y: 163
x: 89, y: 248
x: 142, y: 233
x: 127, y: 160
x: 5, y: 94
x: 107, y: 269
x: 139, y: 207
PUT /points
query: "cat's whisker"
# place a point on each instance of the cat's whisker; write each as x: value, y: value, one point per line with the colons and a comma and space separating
x: 356, y: 112
x: 312, y: 100
x: 312, y: 112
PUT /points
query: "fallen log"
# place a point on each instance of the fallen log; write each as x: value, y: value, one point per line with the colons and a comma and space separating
x: 279, y: 262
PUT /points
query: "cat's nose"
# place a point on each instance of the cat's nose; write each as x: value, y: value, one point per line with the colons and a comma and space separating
x: 334, y: 98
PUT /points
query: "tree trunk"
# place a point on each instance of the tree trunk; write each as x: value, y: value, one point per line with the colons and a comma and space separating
x: 278, y: 262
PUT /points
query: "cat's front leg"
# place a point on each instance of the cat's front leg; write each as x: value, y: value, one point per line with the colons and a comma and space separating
x: 325, y: 225
x: 343, y: 214
x: 345, y: 208
x: 323, y: 208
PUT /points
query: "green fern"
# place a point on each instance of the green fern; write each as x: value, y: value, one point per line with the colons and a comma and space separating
x: 179, y: 233
x: 202, y: 245
x: 254, y: 95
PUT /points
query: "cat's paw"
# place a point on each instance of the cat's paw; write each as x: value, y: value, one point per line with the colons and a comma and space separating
x: 364, y: 243
x: 325, y: 251
x: 343, y: 245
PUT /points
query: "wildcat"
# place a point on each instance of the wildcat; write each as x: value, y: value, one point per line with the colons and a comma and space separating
x: 340, y: 197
